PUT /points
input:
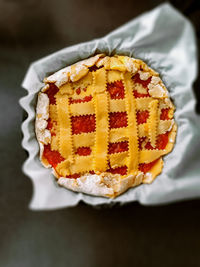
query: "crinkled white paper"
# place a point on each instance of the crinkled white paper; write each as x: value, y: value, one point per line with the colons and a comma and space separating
x: 165, y: 40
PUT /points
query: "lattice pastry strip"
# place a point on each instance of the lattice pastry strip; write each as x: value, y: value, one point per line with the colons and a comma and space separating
x: 132, y: 124
x: 82, y: 164
x: 118, y: 159
x: 163, y: 127
x: 64, y: 123
x: 102, y: 132
x: 147, y: 156
x: 118, y: 135
x: 53, y: 118
x: 82, y: 108
x: 153, y: 121
x: 117, y: 105
x: 114, y: 75
x: 83, y: 140
x: 143, y: 130
x: 142, y: 103
x: 100, y: 80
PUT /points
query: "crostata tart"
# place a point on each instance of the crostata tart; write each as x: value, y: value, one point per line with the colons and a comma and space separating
x: 104, y: 124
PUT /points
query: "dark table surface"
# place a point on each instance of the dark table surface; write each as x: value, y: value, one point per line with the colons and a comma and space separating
x: 132, y: 235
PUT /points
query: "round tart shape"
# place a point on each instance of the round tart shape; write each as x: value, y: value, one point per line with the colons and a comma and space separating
x: 104, y: 124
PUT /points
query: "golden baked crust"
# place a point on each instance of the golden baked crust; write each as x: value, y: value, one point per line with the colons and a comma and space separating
x: 125, y: 103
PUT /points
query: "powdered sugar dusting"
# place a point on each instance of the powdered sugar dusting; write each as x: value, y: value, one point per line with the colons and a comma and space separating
x: 89, y: 184
x: 42, y: 111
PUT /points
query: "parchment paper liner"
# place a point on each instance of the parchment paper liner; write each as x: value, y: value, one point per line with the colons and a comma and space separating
x: 165, y: 40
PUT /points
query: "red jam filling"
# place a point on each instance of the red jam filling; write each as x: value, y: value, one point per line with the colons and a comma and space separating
x: 49, y: 124
x: 85, y: 99
x: 118, y: 147
x: 116, y: 90
x: 53, y: 157
x: 140, y: 141
x: 51, y: 92
x: 120, y: 170
x: 137, y: 95
x: 74, y: 176
x: 161, y: 142
x: 78, y: 91
x: 145, y: 167
x: 94, y: 68
x: 118, y: 119
x: 77, y: 175
x: 164, y: 114
x: 83, y: 124
x: 137, y: 79
x: 142, y: 116
x: 83, y: 151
